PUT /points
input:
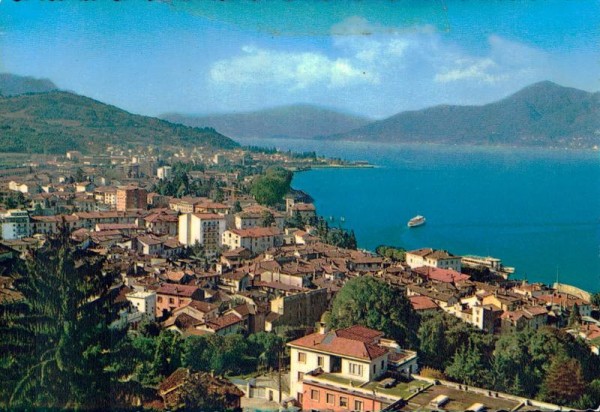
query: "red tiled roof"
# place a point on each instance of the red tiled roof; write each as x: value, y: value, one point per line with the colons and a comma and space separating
x: 359, y: 332
x: 422, y: 303
x: 257, y: 232
x: 178, y: 290
x: 332, y: 343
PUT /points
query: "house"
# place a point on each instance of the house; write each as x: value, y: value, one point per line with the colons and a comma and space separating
x: 253, y: 216
x: 206, y: 229
x: 533, y: 317
x: 14, y: 224
x: 162, y: 223
x: 172, y: 388
x: 302, y: 308
x: 423, y: 304
x: 433, y: 258
x: 331, y: 370
x: 256, y: 239
x: 170, y: 297
x: 227, y: 324
x: 143, y: 304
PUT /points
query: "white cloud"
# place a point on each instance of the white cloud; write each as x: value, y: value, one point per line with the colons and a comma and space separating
x: 288, y: 69
x: 477, y: 69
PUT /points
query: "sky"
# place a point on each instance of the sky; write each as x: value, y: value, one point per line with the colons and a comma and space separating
x: 372, y: 58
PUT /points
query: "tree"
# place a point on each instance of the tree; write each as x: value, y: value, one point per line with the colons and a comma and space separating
x: 470, y: 366
x: 79, y: 175
x: 396, y: 254
x: 269, y: 189
x: 595, y: 299
x: 375, y: 304
x: 564, y: 382
x: 432, y: 342
x: 56, y: 345
x: 237, y: 207
x: 267, y: 219
x: 574, y: 316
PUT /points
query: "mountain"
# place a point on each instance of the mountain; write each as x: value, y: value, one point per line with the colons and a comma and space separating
x: 57, y: 121
x: 543, y: 114
x: 296, y: 121
x: 12, y: 84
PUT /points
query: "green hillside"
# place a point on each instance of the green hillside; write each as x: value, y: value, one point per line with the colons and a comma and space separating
x: 57, y: 121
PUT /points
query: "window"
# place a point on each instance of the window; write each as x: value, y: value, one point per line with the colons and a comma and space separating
x: 330, y: 399
x: 301, y: 357
x: 300, y: 376
x: 320, y: 361
x: 374, y: 369
x: 159, y: 299
x: 382, y: 364
x: 355, y: 369
x: 314, y: 394
x: 171, y: 300
x: 343, y: 402
x: 358, y: 405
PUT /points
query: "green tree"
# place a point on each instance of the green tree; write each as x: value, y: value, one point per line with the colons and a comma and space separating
x: 374, y: 304
x: 56, y: 345
x: 267, y: 219
x: 237, y: 207
x: 595, y: 299
x: 393, y: 253
x: 432, y: 342
x: 574, y: 316
x: 470, y: 366
x: 269, y: 189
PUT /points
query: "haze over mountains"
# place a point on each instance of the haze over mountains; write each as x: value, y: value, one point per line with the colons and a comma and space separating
x: 12, y: 85
x: 543, y: 114
x: 299, y: 121
x: 35, y: 117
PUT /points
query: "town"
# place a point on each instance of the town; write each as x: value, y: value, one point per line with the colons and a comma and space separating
x: 231, y: 289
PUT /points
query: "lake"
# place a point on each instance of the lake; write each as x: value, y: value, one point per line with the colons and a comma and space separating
x: 536, y: 209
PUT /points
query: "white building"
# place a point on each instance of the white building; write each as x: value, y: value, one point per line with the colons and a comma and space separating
x: 204, y: 228
x: 14, y: 224
x: 358, y: 354
x: 256, y: 240
x: 164, y: 172
x: 143, y: 304
x: 433, y: 258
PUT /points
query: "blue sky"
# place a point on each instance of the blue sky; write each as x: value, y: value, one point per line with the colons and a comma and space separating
x: 374, y: 58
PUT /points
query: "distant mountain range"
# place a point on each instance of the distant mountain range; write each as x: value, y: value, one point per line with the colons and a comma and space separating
x: 300, y: 121
x: 56, y: 121
x: 543, y: 114
x: 36, y: 117
x: 12, y: 85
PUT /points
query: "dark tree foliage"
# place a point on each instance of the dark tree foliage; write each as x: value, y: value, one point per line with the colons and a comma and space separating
x: 267, y: 219
x: 269, y: 188
x: 396, y: 254
x: 56, y: 346
x: 370, y: 302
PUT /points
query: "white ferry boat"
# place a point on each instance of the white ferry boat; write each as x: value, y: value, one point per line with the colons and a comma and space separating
x: 416, y: 221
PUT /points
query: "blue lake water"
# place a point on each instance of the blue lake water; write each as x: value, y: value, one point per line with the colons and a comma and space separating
x: 537, y: 210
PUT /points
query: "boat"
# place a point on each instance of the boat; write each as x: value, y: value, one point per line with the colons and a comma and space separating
x: 416, y: 221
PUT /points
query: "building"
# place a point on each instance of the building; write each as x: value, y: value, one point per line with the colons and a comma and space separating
x: 204, y: 228
x: 328, y: 369
x: 164, y: 172
x: 433, y: 258
x: 131, y: 197
x: 14, y: 224
x: 304, y: 308
x: 144, y: 305
x: 253, y: 217
x: 170, y: 297
x: 256, y: 240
